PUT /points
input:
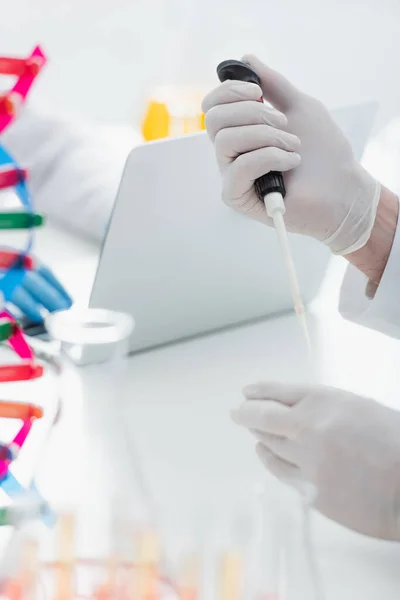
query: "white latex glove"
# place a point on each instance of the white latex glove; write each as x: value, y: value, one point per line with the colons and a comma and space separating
x: 329, y: 196
x: 347, y: 447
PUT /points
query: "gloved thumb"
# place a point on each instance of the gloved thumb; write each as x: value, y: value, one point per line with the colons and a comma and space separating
x: 276, y: 88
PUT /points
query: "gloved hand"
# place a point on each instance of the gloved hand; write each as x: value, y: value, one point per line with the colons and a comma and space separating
x: 347, y: 447
x: 40, y: 289
x: 329, y: 197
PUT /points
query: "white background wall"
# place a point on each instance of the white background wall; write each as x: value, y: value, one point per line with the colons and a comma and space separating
x: 107, y: 54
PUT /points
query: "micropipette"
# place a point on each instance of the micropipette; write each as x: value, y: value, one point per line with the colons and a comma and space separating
x: 270, y: 188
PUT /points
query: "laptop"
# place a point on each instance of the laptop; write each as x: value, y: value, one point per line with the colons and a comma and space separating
x: 181, y: 262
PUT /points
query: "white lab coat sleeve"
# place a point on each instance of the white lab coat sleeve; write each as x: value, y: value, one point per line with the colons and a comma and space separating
x: 74, y: 168
x: 383, y: 311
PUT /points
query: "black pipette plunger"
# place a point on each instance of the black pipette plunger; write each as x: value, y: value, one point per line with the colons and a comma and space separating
x: 240, y: 71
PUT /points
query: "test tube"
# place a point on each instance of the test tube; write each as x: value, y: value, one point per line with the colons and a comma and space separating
x: 30, y: 568
x: 301, y: 575
x: 264, y: 580
x: 64, y: 584
x: 230, y: 576
x: 190, y: 553
x: 19, y: 566
x: 234, y: 541
x: 189, y: 577
x: 145, y: 576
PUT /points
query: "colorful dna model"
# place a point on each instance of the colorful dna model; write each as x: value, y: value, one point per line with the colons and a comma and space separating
x: 13, y: 267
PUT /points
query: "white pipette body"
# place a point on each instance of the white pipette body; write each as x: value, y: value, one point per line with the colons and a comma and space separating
x: 275, y: 207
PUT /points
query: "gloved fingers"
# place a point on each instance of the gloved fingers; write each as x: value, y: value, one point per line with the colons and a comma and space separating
x: 25, y: 302
x: 49, y: 276
x: 245, y: 202
x: 251, y: 165
x: 231, y: 91
x: 44, y: 293
x: 276, y: 88
x: 289, y: 394
x: 230, y: 143
x: 280, y: 446
x: 247, y: 113
x: 281, y: 469
x: 269, y: 417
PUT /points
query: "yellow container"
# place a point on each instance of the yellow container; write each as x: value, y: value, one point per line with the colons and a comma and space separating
x: 156, y: 121
x: 173, y: 111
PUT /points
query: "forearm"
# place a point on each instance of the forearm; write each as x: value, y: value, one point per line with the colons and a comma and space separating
x: 74, y: 167
x: 372, y: 258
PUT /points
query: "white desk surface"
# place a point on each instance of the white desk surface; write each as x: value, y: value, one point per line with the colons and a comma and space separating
x: 177, y: 414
